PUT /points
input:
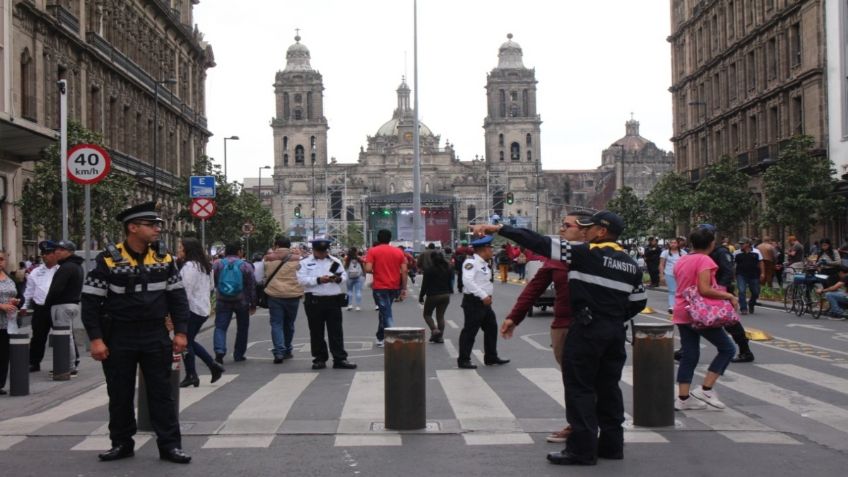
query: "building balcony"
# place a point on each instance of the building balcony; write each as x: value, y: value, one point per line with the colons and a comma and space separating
x: 65, y: 17
x: 144, y: 171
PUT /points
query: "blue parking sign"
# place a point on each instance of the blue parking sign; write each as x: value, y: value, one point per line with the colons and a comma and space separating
x: 201, y: 187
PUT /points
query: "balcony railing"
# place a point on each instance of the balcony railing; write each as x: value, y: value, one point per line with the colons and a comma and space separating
x: 66, y: 18
x: 763, y: 152
x: 138, y: 168
x: 742, y: 160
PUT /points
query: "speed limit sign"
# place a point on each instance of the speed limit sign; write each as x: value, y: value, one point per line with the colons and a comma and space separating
x: 88, y: 164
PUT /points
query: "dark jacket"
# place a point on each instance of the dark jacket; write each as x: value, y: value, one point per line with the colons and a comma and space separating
x: 66, y: 286
x: 437, y: 281
x: 552, y: 272
x: 724, y: 259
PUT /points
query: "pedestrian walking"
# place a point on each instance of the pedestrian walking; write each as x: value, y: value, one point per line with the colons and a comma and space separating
x: 235, y: 288
x: 125, y: 299
x: 556, y: 273
x: 725, y: 275
x: 389, y: 268
x: 521, y: 264
x: 769, y: 254
x: 668, y: 258
x: 63, y: 297
x: 355, y: 268
x: 459, y: 256
x: 436, y: 290
x: 698, y: 269
x: 284, y: 294
x: 606, y: 290
x: 38, y: 284
x: 504, y: 261
x: 320, y: 276
x: 652, y: 260
x: 8, y: 318
x: 749, y: 272
x: 197, y: 280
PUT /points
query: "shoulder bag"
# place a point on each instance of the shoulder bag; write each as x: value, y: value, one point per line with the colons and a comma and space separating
x: 261, y: 296
x: 708, y: 312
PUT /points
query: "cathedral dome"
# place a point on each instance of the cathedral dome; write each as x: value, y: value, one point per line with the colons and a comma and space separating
x: 632, y: 141
x: 404, y: 113
x: 510, y: 54
x: 390, y: 128
x: 297, y: 57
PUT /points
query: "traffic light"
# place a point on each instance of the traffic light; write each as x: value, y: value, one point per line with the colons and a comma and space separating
x: 297, y: 211
x: 510, y: 199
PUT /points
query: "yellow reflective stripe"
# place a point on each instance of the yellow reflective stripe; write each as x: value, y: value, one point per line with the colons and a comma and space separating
x: 611, y: 245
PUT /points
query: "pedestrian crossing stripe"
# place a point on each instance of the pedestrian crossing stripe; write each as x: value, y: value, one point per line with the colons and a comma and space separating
x: 481, y: 415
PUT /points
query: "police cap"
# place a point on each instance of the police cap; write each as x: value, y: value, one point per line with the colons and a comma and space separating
x: 46, y: 246
x: 482, y: 242
x: 67, y: 245
x: 606, y: 219
x: 146, y: 211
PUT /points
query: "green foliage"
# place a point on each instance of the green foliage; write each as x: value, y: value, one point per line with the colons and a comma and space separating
x: 632, y: 210
x: 41, y: 201
x: 670, y: 204
x: 235, y: 206
x: 799, y: 187
x: 722, y: 197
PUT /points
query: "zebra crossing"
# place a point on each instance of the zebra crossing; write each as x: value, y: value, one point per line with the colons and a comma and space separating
x: 471, y: 403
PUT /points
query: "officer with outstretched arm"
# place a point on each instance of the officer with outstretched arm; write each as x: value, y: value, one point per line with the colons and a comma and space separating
x: 606, y: 291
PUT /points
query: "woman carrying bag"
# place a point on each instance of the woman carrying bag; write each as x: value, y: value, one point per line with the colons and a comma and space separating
x: 355, y: 278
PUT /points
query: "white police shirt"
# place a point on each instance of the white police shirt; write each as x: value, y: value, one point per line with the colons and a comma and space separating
x: 38, y: 284
x: 476, y: 275
x: 312, y: 268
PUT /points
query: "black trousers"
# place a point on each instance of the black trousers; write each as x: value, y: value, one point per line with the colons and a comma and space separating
x: 459, y: 280
x: 654, y: 272
x: 42, y: 322
x: 477, y: 316
x: 593, y: 358
x: 737, y: 332
x: 4, y: 357
x: 145, y: 345
x: 324, y: 312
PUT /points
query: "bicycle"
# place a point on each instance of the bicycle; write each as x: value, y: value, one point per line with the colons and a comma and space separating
x: 804, y: 295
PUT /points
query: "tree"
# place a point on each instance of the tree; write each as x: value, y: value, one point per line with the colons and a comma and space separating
x: 722, y: 197
x: 669, y: 204
x: 41, y: 200
x: 798, y: 188
x: 235, y: 207
x: 632, y: 210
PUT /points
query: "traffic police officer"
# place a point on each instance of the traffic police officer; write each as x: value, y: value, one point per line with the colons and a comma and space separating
x: 477, y: 306
x: 124, y: 302
x: 320, y: 276
x: 606, y: 290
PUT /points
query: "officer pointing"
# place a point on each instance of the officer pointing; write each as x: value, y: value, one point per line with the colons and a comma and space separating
x: 606, y: 290
x: 124, y: 302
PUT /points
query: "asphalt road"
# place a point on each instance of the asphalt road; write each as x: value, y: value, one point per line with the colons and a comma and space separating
x: 787, y: 412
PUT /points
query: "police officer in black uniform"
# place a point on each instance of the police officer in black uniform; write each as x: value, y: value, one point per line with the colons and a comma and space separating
x: 606, y: 290
x: 124, y: 302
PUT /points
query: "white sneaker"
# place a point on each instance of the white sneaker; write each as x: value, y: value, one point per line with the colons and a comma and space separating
x: 690, y: 404
x: 358, y: 309
x: 349, y: 308
x: 380, y: 343
x: 710, y: 397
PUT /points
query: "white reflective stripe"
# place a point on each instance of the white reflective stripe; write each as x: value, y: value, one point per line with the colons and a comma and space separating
x: 175, y: 286
x: 601, y: 281
x: 90, y: 290
x: 156, y: 286
x: 638, y: 296
x: 56, y: 332
x: 19, y: 341
x: 556, y: 249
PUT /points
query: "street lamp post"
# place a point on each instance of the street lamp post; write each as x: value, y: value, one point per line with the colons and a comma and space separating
x: 156, y: 133
x: 259, y: 192
x: 231, y: 138
x: 313, y: 196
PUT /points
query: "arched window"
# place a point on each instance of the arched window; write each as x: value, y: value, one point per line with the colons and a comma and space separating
x: 286, y: 108
x: 500, y: 140
x: 525, y: 102
x: 529, y: 155
x: 472, y: 213
x: 312, y: 143
x: 298, y: 114
x: 502, y: 104
x: 427, y: 188
x: 28, y: 101
x: 529, y: 140
x: 285, y: 143
x: 502, y: 155
x: 312, y: 157
x: 298, y: 154
x: 515, y: 152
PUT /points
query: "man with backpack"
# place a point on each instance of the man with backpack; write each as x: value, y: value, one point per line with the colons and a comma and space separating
x: 235, y: 292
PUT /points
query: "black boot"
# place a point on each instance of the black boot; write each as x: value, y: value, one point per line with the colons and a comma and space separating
x: 217, y: 370
x: 190, y: 380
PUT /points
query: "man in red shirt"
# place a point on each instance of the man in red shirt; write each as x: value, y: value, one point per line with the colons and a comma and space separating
x: 388, y: 266
x: 556, y: 272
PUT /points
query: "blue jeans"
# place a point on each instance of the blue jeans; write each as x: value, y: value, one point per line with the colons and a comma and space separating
x: 384, y: 299
x: 223, y: 314
x: 354, y: 291
x: 283, y: 312
x: 671, y: 283
x: 195, y: 322
x: 690, y: 341
x: 743, y: 284
x: 836, y: 300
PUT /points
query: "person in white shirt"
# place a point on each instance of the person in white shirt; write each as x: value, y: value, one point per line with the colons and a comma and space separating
x: 320, y: 276
x: 197, y: 280
x: 37, y: 286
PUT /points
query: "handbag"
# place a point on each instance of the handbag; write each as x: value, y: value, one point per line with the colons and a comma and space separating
x: 261, y: 296
x: 708, y: 312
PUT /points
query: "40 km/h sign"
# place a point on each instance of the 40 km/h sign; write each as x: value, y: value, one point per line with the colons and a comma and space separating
x: 88, y: 164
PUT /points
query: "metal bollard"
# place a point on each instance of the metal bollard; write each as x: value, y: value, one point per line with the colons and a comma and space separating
x: 61, y: 353
x: 143, y: 420
x: 19, y: 364
x: 653, y: 374
x: 405, y: 379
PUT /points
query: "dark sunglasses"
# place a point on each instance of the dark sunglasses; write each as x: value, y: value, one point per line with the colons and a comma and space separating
x: 149, y: 223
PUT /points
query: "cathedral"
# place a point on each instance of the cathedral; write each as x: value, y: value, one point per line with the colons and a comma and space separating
x: 312, y: 195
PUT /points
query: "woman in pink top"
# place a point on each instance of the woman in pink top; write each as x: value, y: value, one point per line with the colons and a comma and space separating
x: 698, y: 269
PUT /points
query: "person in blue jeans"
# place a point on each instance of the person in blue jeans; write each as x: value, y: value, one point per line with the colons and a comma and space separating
x: 355, y: 268
x: 284, y: 294
x: 388, y: 265
x: 749, y: 273
x: 242, y: 303
x: 836, y: 296
x: 668, y: 258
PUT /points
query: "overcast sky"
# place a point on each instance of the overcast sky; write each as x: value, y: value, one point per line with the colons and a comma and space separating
x: 596, y: 62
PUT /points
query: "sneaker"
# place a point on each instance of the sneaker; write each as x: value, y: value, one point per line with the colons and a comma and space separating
x: 670, y: 311
x: 376, y: 308
x: 380, y: 343
x: 559, y: 436
x: 690, y: 404
x: 710, y: 397
x: 358, y: 309
x: 349, y: 308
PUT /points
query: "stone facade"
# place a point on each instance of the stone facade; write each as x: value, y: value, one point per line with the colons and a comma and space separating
x: 112, y: 53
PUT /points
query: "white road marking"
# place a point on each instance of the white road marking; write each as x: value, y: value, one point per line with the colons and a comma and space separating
x: 824, y: 380
x: 451, y: 349
x: 29, y: 424
x: 452, y: 324
x: 534, y: 343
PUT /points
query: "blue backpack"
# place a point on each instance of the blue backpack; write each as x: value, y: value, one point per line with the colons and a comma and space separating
x: 230, y: 280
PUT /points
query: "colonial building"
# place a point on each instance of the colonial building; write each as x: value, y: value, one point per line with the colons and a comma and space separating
x: 132, y: 67
x: 746, y: 76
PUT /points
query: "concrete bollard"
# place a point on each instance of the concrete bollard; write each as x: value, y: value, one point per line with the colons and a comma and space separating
x: 61, y: 353
x: 19, y: 364
x: 653, y: 374
x: 405, y: 379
